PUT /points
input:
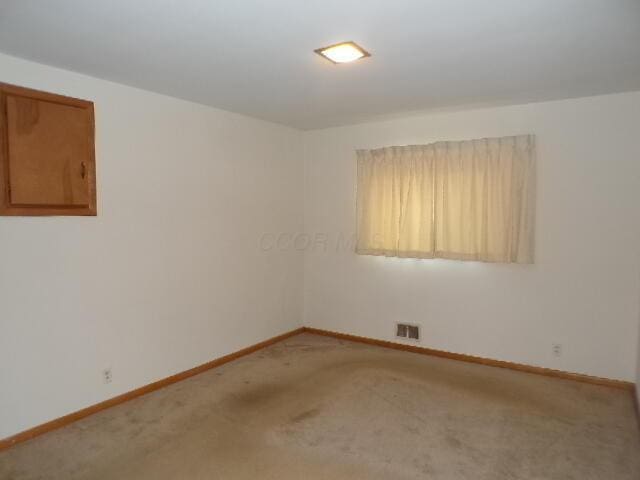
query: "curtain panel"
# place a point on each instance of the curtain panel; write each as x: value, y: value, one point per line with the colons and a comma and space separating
x: 468, y: 200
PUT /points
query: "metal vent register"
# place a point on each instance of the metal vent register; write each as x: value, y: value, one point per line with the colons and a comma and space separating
x: 405, y: 330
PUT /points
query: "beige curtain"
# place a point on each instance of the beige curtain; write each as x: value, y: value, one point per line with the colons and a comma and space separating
x: 469, y: 200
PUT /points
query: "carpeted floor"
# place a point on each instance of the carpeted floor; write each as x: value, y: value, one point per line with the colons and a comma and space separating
x: 318, y: 408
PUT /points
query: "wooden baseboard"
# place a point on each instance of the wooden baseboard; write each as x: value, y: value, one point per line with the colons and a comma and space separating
x: 637, y: 405
x: 472, y: 359
x: 85, y: 412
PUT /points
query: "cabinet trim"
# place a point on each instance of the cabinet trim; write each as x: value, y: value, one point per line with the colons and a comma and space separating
x: 9, y: 209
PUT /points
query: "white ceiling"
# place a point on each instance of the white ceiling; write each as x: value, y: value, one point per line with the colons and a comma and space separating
x: 256, y: 56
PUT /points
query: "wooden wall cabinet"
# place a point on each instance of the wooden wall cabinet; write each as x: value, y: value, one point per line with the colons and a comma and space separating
x: 47, y: 154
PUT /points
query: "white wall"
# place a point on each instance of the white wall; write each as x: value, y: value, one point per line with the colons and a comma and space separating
x: 170, y: 274
x: 582, y: 291
x: 638, y: 369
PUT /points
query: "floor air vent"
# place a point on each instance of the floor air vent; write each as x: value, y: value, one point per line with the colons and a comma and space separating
x: 407, y: 331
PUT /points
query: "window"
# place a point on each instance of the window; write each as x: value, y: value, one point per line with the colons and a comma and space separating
x: 469, y: 200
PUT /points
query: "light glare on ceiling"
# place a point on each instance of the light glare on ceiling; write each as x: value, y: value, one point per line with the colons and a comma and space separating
x: 344, y: 52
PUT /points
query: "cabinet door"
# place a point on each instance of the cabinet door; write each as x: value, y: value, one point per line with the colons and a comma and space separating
x: 48, y: 155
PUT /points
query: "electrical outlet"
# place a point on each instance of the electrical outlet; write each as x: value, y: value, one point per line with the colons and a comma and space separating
x: 556, y: 348
x: 107, y: 375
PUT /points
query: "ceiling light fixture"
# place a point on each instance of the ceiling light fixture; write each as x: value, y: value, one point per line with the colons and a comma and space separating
x: 344, y: 52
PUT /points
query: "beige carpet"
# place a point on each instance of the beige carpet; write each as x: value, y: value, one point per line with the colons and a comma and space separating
x: 319, y: 408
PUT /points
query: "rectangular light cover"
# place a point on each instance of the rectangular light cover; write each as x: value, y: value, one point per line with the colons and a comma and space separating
x: 344, y: 52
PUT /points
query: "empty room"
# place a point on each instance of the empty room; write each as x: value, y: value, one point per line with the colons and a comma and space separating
x: 338, y: 239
